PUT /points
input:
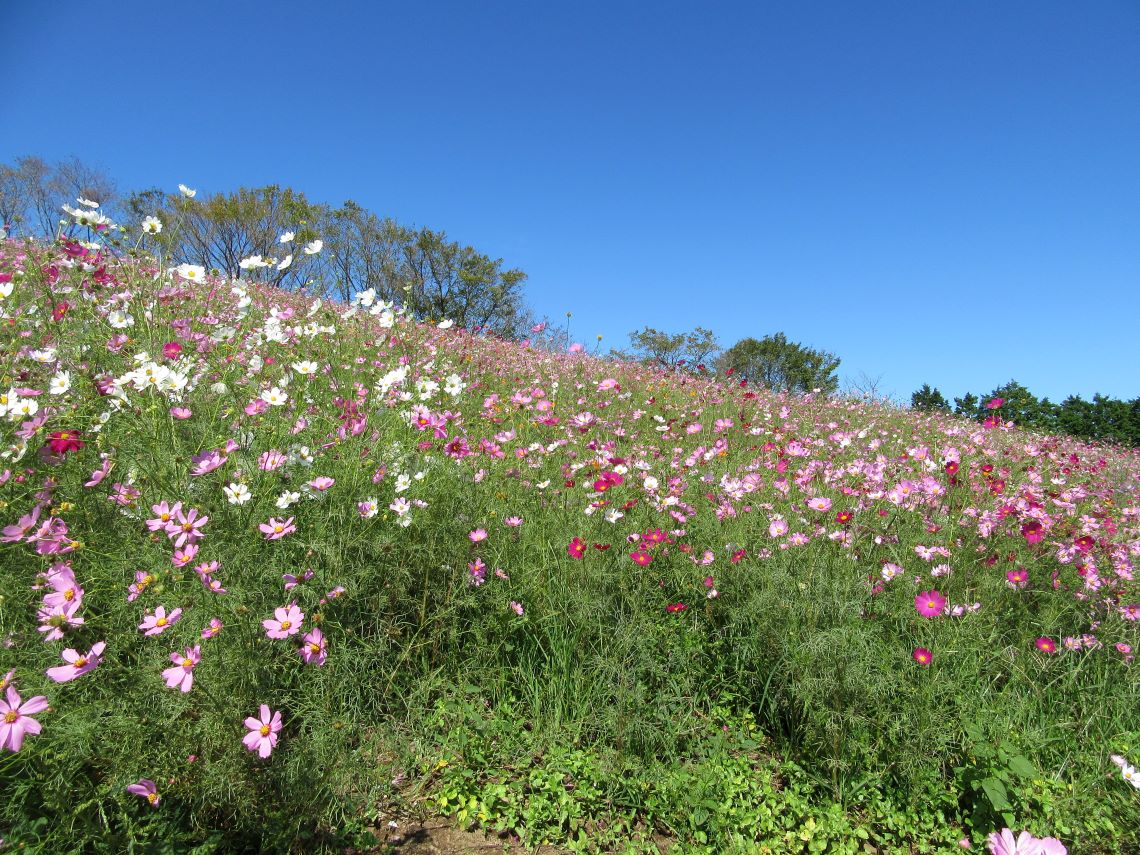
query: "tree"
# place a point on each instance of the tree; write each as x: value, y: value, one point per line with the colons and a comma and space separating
x: 32, y: 192
x: 929, y: 400
x: 782, y: 365
x: 445, y: 280
x: 671, y: 351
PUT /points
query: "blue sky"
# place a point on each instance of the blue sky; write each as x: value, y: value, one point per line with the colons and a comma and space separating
x: 944, y: 193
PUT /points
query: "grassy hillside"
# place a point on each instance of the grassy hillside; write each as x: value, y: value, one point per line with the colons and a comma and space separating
x: 279, y: 569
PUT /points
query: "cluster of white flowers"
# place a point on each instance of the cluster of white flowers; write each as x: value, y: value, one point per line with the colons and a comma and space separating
x: 15, y: 407
x: 150, y: 375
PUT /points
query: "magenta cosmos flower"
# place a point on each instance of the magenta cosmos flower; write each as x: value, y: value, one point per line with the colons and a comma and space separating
x: 922, y: 656
x: 275, y: 528
x: 262, y: 736
x: 929, y: 603
x: 16, y: 720
x: 315, y: 648
x: 77, y: 663
x: 160, y: 621
x: 147, y: 790
x: 288, y: 621
x: 181, y: 675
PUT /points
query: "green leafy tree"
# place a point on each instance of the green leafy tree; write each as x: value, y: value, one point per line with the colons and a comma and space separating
x: 671, y: 351
x: 782, y: 365
x: 929, y: 400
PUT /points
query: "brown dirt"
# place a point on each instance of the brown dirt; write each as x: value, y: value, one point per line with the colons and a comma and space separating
x: 439, y: 837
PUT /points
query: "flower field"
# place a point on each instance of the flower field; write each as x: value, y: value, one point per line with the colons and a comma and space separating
x: 276, y: 569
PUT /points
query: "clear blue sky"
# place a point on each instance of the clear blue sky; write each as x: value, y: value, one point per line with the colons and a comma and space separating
x: 937, y: 192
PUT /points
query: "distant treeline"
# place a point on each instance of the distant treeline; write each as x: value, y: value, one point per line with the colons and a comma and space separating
x: 346, y: 249
x: 1102, y: 418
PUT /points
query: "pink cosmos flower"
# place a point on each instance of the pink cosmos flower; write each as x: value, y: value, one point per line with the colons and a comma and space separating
x: 322, y: 483
x: 1046, y: 645
x: 478, y: 535
x: 54, y: 619
x: 994, y: 403
x: 777, y: 528
x: 207, y: 462
x: 77, y: 664
x: 160, y: 621
x: 184, y: 555
x: 819, y: 503
x: 517, y: 608
x: 186, y: 528
x: 147, y: 790
x: 291, y: 581
x: 16, y: 720
x: 214, y: 627
x: 163, y: 516
x: 262, y: 736
x: 181, y: 413
x: 181, y: 676
x: 270, y: 460
x: 922, y: 656
x: 929, y: 603
x: 315, y: 648
x: 1003, y: 843
x: 276, y: 529
x: 288, y: 621
x: 513, y: 522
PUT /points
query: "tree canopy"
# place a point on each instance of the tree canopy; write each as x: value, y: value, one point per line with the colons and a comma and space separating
x: 782, y: 365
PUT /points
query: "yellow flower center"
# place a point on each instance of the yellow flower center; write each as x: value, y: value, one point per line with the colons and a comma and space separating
x: 264, y: 730
x: 187, y: 663
x: 69, y: 594
x: 152, y: 797
x: 10, y: 716
x: 80, y: 662
x: 277, y: 529
x: 285, y: 624
x: 160, y: 622
x: 315, y: 648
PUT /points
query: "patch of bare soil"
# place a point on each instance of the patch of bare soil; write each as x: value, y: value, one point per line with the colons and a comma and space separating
x: 439, y: 837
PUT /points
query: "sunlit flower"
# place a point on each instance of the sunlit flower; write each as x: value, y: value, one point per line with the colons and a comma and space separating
x: 237, y: 494
x: 16, y: 720
x: 262, y: 736
x: 922, y: 656
x: 186, y: 191
x: 159, y: 622
x: 313, y: 247
x: 181, y: 674
x: 77, y: 663
x: 315, y: 648
x: 929, y: 603
x: 276, y: 529
x: 286, y: 621
x: 151, y: 225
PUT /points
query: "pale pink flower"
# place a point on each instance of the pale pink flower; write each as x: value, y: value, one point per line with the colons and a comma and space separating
x: 315, y: 648
x: 321, y: 483
x: 160, y: 621
x: 77, y: 664
x: 181, y: 675
x: 270, y: 460
x: 163, y: 516
x: 478, y: 535
x: 288, y: 621
x: 262, y: 736
x: 16, y: 720
x: 276, y: 529
x: 54, y: 619
x: 214, y: 627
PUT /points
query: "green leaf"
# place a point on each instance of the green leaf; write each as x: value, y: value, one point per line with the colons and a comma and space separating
x: 1022, y: 767
x: 995, y: 791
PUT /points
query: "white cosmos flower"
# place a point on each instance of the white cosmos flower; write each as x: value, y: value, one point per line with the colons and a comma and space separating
x: 187, y: 192
x: 252, y: 262
x: 120, y: 319
x: 5, y: 290
x: 285, y: 262
x: 274, y: 397
x: 45, y: 356
x: 287, y: 237
x: 287, y: 498
x: 445, y: 325
x: 193, y: 272
x: 152, y: 225
x: 60, y: 383
x: 313, y: 247
x: 305, y: 367
x: 238, y: 494
x: 87, y: 203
